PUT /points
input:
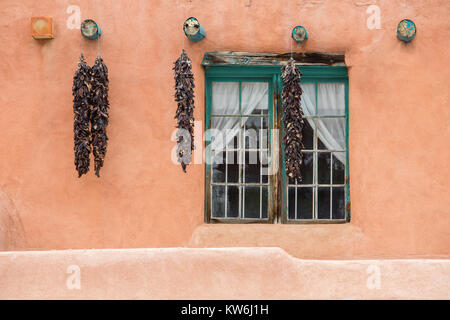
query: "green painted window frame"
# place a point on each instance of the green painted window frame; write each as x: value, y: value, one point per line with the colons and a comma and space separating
x: 272, y: 73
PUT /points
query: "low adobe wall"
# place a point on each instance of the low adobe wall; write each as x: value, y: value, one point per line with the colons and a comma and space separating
x: 232, y: 273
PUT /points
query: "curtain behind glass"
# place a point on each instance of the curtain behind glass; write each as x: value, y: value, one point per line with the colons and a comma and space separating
x: 225, y: 101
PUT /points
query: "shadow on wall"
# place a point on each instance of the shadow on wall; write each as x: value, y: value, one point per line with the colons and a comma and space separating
x: 12, y: 235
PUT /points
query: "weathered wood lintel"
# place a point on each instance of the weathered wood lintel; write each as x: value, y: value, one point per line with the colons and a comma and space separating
x: 252, y: 58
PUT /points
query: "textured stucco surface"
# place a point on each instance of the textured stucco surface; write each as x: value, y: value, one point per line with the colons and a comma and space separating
x: 399, y: 127
x: 232, y: 273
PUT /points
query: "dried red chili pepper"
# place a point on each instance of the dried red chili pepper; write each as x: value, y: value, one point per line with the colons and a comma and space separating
x: 99, y: 113
x: 184, y: 97
x: 82, y: 113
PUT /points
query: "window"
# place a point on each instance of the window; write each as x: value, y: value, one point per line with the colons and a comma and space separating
x: 240, y: 118
x: 245, y: 176
x: 321, y: 196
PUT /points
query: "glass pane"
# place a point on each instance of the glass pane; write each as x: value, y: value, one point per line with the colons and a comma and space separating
x: 338, y: 168
x: 265, y: 202
x: 252, y: 201
x: 218, y: 202
x: 338, y: 203
x: 323, y: 209
x: 330, y: 99
x: 307, y: 168
x: 225, y: 98
x: 331, y: 134
x: 291, y: 203
x: 264, y: 160
x: 305, y: 203
x: 308, y: 99
x: 233, y: 202
x: 324, y: 167
x: 233, y: 166
x: 252, y: 167
x: 225, y: 131
x: 218, y: 168
x: 254, y: 97
x: 254, y: 131
x: 308, y: 135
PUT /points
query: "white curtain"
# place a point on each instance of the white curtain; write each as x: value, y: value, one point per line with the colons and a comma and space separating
x: 225, y: 101
x: 330, y: 102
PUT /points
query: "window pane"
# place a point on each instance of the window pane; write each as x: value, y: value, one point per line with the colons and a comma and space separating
x: 252, y: 167
x: 252, y: 201
x: 330, y: 99
x: 225, y: 131
x: 218, y: 202
x: 308, y: 99
x: 308, y: 135
x: 307, y: 168
x: 305, y: 203
x: 331, y: 134
x: 218, y: 167
x: 265, y: 202
x: 225, y: 98
x: 338, y: 168
x: 233, y: 166
x: 233, y: 202
x: 323, y: 208
x: 254, y: 131
x: 254, y: 97
x: 338, y: 203
x: 324, y: 167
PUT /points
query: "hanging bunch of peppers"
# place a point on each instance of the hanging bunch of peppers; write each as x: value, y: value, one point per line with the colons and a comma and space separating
x: 99, y: 112
x: 292, y: 120
x: 184, y: 97
x: 82, y: 113
x: 90, y: 106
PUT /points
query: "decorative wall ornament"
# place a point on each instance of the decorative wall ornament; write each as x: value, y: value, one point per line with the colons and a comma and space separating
x: 299, y: 34
x: 193, y: 30
x: 184, y: 97
x: 292, y: 120
x: 42, y: 27
x: 90, y: 29
x: 406, y: 30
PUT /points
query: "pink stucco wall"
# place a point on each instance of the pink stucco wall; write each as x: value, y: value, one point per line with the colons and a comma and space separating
x: 399, y: 127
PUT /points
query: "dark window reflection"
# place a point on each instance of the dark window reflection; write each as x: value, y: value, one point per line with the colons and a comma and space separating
x: 338, y: 170
x: 233, y: 202
x: 324, y: 166
x: 218, y: 201
x: 305, y: 203
x: 252, y: 202
x: 323, y: 209
x: 308, y: 136
x: 338, y: 203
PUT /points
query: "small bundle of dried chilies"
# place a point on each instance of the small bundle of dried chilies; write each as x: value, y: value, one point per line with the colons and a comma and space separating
x: 90, y: 106
x: 292, y: 120
x: 99, y: 112
x: 184, y: 97
x: 82, y: 113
